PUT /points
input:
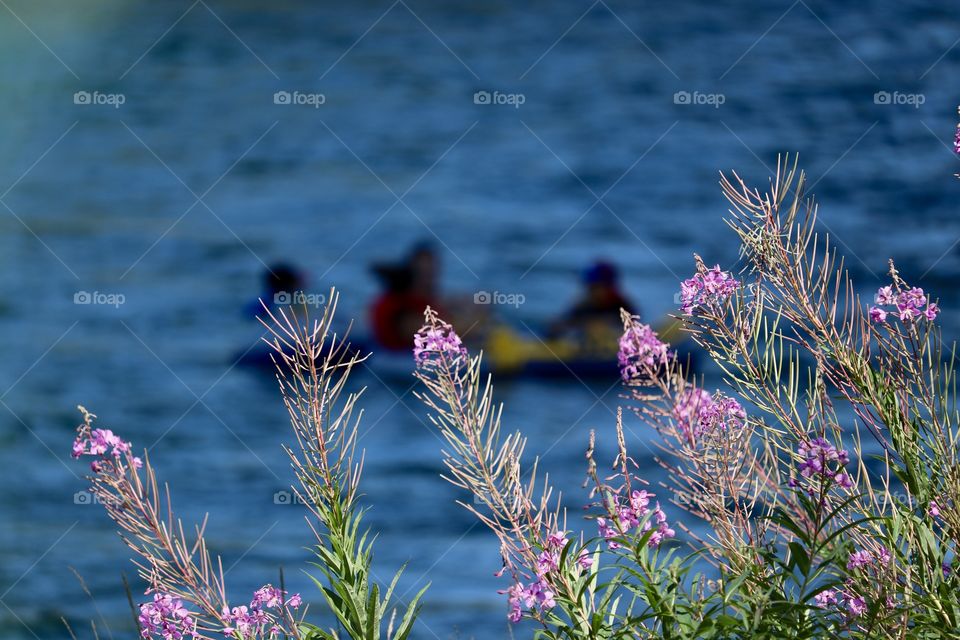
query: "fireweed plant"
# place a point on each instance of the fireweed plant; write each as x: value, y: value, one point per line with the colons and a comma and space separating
x: 187, y: 595
x: 807, y: 534
x: 806, y: 539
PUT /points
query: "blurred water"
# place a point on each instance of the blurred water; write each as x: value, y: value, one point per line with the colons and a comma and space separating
x: 104, y: 199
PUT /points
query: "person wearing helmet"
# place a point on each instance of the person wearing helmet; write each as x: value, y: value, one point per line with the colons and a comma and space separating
x: 599, y: 303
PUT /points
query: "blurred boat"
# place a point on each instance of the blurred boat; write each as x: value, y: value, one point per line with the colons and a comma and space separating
x: 508, y: 353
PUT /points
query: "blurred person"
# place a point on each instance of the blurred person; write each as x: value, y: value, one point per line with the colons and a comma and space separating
x: 424, y: 268
x: 279, y: 282
x: 599, y: 304
x: 409, y: 287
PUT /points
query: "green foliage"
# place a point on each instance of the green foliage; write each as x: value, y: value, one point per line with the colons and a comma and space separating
x: 313, y: 370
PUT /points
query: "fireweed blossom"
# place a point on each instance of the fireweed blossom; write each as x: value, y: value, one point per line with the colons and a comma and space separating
x: 536, y: 595
x: 864, y: 558
x: 166, y: 618
x: 103, y: 444
x: 698, y: 412
x: 857, y: 606
x: 707, y: 289
x: 909, y: 306
x: 845, y: 601
x: 437, y: 340
x: 956, y: 137
x: 539, y: 594
x: 261, y: 618
x: 640, y: 349
x: 515, y: 602
x: 826, y: 598
x: 835, y: 599
x: 934, y: 509
x: 821, y: 466
x: 859, y: 559
x: 635, y: 513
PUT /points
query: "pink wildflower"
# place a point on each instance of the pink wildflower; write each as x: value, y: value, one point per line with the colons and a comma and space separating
x: 908, y: 306
x: 631, y: 515
x: 698, y: 412
x: 547, y: 561
x: 437, y: 341
x: 821, y: 466
x: 640, y: 348
x: 168, y: 618
x: 514, y: 601
x: 956, y: 139
x: 826, y: 598
x: 105, y: 445
x: 256, y: 620
x: 858, y: 559
x: 707, y: 289
x: 539, y: 594
x: 857, y: 606
x: 557, y: 540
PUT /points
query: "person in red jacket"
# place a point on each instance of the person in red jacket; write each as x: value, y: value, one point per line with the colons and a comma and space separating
x: 408, y: 288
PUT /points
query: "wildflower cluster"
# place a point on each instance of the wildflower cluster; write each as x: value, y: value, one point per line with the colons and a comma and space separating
x: 435, y: 341
x: 934, y: 509
x: 640, y: 350
x: 707, y: 289
x: 698, y: 412
x: 862, y: 564
x: 263, y: 618
x: 826, y: 598
x: 908, y: 306
x: 635, y: 513
x: 105, y: 445
x: 821, y: 466
x: 956, y: 136
x: 772, y: 542
x: 865, y: 558
x: 167, y: 618
x: 842, y: 600
x: 833, y: 598
x: 538, y: 594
